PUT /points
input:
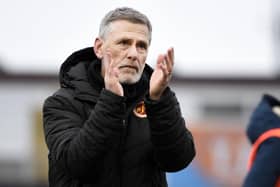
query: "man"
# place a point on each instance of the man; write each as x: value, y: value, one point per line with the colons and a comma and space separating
x: 115, y: 122
x: 264, y: 133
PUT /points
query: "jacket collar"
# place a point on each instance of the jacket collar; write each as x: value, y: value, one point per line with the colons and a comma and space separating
x: 76, y: 71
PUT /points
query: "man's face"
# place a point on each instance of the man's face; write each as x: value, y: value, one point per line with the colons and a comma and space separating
x: 128, y: 46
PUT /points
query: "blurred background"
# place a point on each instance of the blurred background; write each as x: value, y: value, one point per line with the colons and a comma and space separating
x: 227, y: 56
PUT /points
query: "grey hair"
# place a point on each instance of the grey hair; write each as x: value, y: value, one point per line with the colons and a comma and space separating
x: 124, y: 13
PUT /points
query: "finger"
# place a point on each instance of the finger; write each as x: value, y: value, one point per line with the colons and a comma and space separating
x: 169, y: 58
x: 111, y: 64
x: 114, y: 63
x: 168, y: 63
x: 117, y: 59
x: 160, y: 60
x: 107, y: 61
x: 170, y: 54
x: 113, y: 70
x: 162, y: 64
x: 165, y: 71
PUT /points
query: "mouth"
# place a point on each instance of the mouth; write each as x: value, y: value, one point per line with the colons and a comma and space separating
x: 129, y: 67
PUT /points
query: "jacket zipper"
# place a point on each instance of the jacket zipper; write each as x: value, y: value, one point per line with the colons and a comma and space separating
x: 122, y: 141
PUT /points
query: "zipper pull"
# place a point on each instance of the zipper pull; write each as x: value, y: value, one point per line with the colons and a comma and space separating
x: 124, y: 122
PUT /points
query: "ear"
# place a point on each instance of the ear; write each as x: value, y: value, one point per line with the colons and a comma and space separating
x: 98, y: 44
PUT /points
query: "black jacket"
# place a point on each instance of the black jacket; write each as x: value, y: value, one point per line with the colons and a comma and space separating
x: 96, y: 140
x: 266, y: 167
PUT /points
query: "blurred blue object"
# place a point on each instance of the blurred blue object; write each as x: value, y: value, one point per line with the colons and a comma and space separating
x: 191, y: 176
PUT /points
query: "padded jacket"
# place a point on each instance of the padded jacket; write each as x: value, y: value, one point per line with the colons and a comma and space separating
x: 265, y: 168
x: 98, y: 139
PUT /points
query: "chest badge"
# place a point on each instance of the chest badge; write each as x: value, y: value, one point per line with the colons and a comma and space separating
x: 140, y: 110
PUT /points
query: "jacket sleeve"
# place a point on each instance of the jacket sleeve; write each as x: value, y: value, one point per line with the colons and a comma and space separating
x: 79, y: 144
x: 173, y: 143
x: 266, y: 167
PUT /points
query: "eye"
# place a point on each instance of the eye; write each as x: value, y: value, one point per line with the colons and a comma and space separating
x: 142, y: 46
x: 123, y: 42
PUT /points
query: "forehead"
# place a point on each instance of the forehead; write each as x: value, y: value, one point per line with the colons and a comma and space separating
x: 123, y: 28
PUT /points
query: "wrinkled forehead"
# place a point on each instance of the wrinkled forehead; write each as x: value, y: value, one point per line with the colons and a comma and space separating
x: 124, y: 28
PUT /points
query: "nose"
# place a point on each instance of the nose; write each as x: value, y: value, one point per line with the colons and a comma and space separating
x: 132, y: 53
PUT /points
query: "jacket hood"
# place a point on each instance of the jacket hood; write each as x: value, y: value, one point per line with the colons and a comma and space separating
x: 263, y: 118
x: 85, y: 55
x: 73, y: 74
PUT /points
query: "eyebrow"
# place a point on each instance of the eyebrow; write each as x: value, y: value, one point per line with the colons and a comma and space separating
x: 128, y: 39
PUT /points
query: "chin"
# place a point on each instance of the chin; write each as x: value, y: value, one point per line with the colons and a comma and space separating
x: 129, y: 79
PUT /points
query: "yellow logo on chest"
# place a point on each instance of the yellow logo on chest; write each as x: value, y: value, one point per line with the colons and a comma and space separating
x: 140, y: 110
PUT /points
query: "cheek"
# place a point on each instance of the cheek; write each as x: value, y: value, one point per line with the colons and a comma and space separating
x: 142, y: 63
x: 116, y: 52
x: 109, y: 47
x: 143, y: 60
